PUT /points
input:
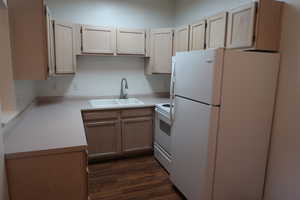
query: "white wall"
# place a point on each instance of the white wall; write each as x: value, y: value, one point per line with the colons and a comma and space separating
x: 189, y: 11
x: 127, y: 13
x: 3, y: 183
x: 101, y: 76
x: 25, y: 92
x: 284, y: 174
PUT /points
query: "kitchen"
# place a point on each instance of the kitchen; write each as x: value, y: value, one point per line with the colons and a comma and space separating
x: 66, y: 59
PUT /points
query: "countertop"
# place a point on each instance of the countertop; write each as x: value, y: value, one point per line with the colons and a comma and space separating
x: 54, y: 125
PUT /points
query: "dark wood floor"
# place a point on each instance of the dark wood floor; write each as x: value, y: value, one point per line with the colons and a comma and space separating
x: 131, y: 179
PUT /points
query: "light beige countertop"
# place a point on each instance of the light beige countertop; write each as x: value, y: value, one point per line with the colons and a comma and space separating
x: 54, y: 125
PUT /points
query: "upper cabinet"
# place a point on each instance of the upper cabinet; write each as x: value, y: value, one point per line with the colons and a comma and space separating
x: 255, y: 25
x: 131, y: 41
x: 181, y: 39
x: 197, y: 35
x: 65, y: 60
x: 161, y: 50
x: 98, y: 40
x: 216, y: 30
x: 28, y: 26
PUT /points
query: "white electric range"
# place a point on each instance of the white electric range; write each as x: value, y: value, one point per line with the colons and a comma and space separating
x: 162, y: 138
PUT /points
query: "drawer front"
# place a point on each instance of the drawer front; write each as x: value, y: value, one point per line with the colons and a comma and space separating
x: 100, y: 115
x: 162, y: 157
x: 137, y: 112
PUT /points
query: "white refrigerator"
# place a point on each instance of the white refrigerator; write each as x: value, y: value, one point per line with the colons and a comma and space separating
x: 223, y: 107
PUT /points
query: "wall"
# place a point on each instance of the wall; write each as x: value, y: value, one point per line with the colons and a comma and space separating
x: 126, y: 13
x: 3, y: 183
x: 101, y: 76
x: 284, y: 174
x: 25, y: 92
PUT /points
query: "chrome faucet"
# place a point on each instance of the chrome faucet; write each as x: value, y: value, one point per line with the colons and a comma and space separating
x: 124, y: 88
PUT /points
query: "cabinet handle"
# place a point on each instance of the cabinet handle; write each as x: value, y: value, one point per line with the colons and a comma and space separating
x: 87, y: 170
x: 101, y: 123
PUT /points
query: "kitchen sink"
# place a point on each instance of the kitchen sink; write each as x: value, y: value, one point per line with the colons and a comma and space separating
x: 113, y: 103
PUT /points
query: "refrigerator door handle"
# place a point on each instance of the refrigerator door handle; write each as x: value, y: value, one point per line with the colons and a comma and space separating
x: 172, y: 93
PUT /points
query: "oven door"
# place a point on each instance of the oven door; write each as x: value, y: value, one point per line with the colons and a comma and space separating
x: 163, y: 131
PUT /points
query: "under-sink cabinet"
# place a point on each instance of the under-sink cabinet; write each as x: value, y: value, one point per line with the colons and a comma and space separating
x: 117, y: 133
x: 255, y: 25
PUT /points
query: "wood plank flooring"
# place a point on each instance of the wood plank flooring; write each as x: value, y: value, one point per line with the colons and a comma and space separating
x: 131, y: 179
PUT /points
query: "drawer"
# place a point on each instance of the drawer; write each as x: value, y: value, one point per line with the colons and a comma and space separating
x: 163, y: 158
x: 140, y: 112
x: 100, y: 115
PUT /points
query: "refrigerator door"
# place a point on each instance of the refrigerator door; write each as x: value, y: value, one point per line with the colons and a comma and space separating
x: 193, y: 148
x: 199, y: 74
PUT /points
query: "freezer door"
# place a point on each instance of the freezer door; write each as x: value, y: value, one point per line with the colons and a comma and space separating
x: 193, y: 148
x: 198, y: 75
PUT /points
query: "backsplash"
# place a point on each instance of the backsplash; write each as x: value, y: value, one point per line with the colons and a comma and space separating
x: 25, y: 93
x: 101, y: 76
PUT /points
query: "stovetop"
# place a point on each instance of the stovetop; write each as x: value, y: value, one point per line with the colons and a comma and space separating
x: 164, y: 107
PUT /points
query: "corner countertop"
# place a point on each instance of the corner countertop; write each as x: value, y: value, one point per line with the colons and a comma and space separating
x: 54, y: 125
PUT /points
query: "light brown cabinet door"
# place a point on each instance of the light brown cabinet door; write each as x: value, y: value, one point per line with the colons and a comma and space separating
x: 137, y: 134
x: 97, y: 39
x: 161, y: 43
x: 104, y: 138
x: 241, y: 23
x: 28, y: 28
x: 65, y: 60
x: 216, y: 30
x: 131, y: 41
x: 255, y: 26
x: 181, y: 39
x: 197, y: 35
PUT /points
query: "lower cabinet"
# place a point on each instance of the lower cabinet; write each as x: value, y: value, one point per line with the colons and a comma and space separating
x: 137, y: 134
x: 58, y: 174
x: 104, y: 138
x: 117, y: 133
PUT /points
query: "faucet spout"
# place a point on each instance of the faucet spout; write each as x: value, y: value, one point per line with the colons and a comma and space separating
x: 124, y: 89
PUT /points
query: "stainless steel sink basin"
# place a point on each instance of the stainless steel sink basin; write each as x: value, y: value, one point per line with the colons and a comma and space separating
x: 114, y: 103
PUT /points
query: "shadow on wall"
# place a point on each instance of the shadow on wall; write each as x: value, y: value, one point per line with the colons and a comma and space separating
x: 101, y: 76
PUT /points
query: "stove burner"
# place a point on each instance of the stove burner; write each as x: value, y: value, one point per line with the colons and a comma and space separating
x: 166, y: 105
